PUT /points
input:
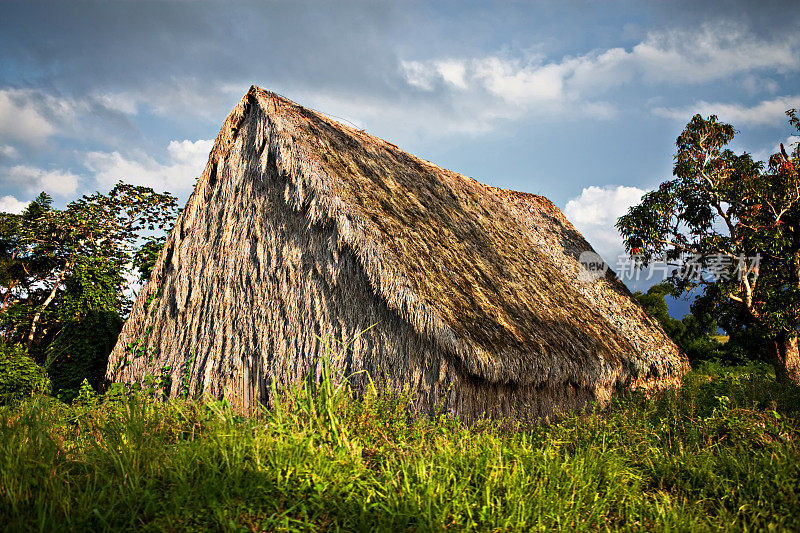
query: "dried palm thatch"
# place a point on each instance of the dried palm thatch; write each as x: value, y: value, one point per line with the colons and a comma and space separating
x: 301, y: 227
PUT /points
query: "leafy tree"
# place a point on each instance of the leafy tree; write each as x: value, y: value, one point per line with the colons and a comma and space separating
x: 62, y: 274
x: 654, y: 300
x: 146, y: 256
x: 719, y: 209
x: 89, y: 323
x: 692, y: 333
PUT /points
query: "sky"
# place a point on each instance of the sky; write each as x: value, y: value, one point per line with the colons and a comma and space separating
x: 577, y: 101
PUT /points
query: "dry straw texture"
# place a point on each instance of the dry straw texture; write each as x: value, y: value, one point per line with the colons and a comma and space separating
x: 301, y: 227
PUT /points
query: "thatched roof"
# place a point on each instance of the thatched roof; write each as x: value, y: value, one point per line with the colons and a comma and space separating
x: 489, y: 276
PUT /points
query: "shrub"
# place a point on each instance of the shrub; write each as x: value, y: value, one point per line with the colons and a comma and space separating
x: 20, y: 376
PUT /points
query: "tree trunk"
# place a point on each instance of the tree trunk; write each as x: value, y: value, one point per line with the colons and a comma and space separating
x: 47, y: 301
x: 6, y: 296
x: 786, y: 359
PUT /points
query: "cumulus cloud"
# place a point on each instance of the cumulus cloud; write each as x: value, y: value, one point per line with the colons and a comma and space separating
x: 8, y: 152
x: 472, y: 95
x: 514, y: 82
x: 9, y: 204
x: 418, y: 74
x: 518, y: 82
x: 530, y: 84
x: 425, y: 75
x: 34, y: 180
x: 595, y: 212
x: 184, y: 161
x: 453, y: 72
x: 712, y: 52
x: 22, y: 118
x: 768, y: 112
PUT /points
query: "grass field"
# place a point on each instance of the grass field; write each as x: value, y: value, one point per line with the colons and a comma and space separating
x: 720, y: 454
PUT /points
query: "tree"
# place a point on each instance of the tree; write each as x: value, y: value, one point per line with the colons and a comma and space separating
x: 62, y: 272
x: 144, y: 260
x: 89, y: 321
x: 692, y: 333
x: 738, y: 222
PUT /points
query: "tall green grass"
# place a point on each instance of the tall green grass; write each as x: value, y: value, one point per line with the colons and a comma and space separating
x: 719, y: 454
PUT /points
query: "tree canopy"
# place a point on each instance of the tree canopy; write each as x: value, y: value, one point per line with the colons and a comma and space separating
x: 731, y: 225
x: 63, y: 272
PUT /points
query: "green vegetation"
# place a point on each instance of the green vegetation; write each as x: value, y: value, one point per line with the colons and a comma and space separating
x: 20, y: 376
x: 693, y: 333
x: 720, y: 454
x: 62, y: 278
x: 721, y: 212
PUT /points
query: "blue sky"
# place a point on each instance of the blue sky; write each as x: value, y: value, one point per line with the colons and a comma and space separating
x: 578, y: 101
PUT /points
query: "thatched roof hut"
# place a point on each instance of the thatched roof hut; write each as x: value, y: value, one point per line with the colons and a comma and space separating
x: 302, y: 227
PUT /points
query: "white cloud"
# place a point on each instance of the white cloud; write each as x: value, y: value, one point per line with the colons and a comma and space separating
x: 595, y: 212
x: 512, y: 80
x: 715, y: 52
x: 194, y: 153
x: 184, y: 161
x: 791, y: 144
x: 520, y: 84
x: 418, y: 74
x: 8, y: 152
x: 34, y: 180
x: 767, y: 112
x: 169, y: 99
x: 759, y: 84
x: 506, y: 87
x: 32, y: 116
x: 21, y: 119
x: 121, y: 102
x: 453, y: 72
x: 9, y: 204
